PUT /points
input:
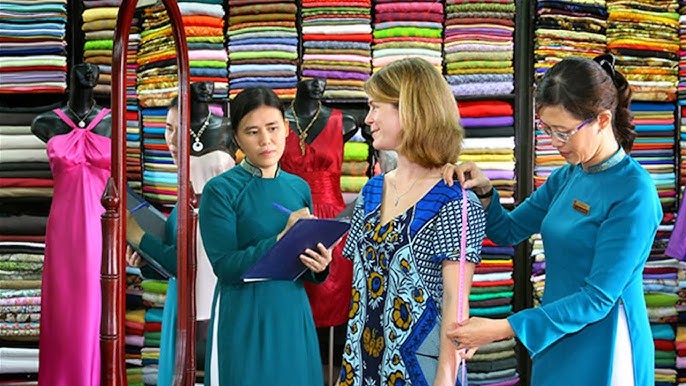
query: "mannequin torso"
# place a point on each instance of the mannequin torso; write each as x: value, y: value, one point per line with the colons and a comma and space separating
x: 80, y: 108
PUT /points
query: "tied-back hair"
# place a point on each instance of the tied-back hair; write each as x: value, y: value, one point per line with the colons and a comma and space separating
x: 431, y: 134
x: 584, y: 88
x: 250, y: 99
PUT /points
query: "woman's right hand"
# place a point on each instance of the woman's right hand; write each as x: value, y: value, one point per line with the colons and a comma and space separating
x: 294, y: 216
x: 469, y: 176
x: 133, y: 259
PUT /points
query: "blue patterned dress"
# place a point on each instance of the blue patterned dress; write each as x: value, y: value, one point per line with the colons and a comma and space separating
x: 395, y: 314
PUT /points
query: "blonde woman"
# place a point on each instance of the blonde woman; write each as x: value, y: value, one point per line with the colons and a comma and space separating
x: 405, y: 236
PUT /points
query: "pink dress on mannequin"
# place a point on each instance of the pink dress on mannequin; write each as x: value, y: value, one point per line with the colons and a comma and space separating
x: 71, y: 302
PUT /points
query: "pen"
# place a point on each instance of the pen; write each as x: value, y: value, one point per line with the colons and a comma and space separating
x: 139, y: 207
x: 282, y: 208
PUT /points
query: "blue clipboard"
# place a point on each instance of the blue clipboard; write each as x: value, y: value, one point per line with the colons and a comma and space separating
x: 281, y: 261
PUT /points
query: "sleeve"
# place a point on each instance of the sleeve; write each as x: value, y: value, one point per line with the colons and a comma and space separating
x: 622, y: 246
x: 356, y: 223
x: 163, y: 251
x: 448, y: 231
x: 508, y: 228
x: 218, y: 230
x: 312, y: 276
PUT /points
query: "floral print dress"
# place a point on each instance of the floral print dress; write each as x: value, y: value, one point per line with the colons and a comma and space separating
x: 395, y: 315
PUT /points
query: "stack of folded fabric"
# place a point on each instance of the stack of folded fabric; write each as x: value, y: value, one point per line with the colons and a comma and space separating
x: 157, y: 71
x: 337, y: 36
x: 157, y: 84
x: 407, y: 28
x: 478, y: 46
x: 354, y: 166
x: 154, y: 294
x: 654, y: 147
x: 134, y: 172
x: 680, y: 344
x: 263, y: 46
x: 32, y: 46
x: 491, y: 297
x: 568, y: 28
x: 25, y: 196
x: 489, y: 132
x: 660, y: 282
x: 537, y: 268
x: 682, y: 147
x: 203, y: 23
x: 644, y: 37
x: 134, y: 326
x: 159, y: 171
x: 21, y: 266
x: 98, y: 26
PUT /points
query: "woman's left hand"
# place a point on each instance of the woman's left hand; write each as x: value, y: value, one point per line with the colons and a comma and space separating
x: 476, y: 332
x: 318, y: 260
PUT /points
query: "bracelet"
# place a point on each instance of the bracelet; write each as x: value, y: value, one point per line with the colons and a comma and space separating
x: 485, y: 195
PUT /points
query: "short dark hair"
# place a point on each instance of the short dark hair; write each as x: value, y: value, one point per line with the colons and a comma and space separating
x: 584, y: 88
x: 250, y: 99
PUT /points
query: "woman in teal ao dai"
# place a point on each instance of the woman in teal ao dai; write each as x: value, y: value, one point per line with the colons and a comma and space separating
x: 261, y: 333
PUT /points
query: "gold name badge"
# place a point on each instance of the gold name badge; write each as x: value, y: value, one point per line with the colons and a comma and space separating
x: 581, y: 207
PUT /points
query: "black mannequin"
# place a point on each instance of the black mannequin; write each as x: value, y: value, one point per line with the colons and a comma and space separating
x: 213, y: 137
x: 307, y: 107
x: 81, y: 107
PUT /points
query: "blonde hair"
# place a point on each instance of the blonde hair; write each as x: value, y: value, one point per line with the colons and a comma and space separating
x: 431, y: 134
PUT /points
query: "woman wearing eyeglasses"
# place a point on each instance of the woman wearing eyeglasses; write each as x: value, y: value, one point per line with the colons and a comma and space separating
x: 598, y: 216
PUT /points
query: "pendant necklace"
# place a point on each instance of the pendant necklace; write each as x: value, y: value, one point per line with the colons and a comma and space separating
x: 399, y: 196
x: 197, y: 145
x: 82, y: 121
x: 302, y: 134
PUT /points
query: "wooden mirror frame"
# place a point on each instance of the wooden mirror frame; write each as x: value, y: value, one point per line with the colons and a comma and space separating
x: 113, y: 271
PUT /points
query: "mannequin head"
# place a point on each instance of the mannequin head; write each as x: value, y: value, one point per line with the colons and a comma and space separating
x: 202, y: 91
x: 84, y: 75
x: 311, y: 88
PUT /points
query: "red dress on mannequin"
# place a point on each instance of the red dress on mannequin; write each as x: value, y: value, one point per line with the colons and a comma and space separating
x: 321, y: 168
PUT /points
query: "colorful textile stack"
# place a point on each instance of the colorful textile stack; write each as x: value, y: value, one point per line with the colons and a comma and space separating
x: 134, y: 327
x: 154, y: 294
x: 491, y: 297
x: 478, y: 47
x: 263, y: 46
x: 489, y: 142
x: 21, y: 267
x: 568, y: 28
x: 354, y: 166
x: 203, y: 23
x: 682, y: 148
x: 660, y: 283
x: 98, y: 27
x: 537, y: 268
x: 157, y: 70
x: 407, y: 28
x: 159, y: 171
x: 337, y: 38
x: 654, y: 147
x: 133, y: 116
x: 644, y: 36
x: 32, y: 47
x: 25, y: 195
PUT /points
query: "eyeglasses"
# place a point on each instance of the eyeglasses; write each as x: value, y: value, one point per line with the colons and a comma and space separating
x: 562, y: 136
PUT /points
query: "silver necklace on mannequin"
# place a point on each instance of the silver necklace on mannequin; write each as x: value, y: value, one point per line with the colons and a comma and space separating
x: 81, y: 120
x: 197, y: 145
